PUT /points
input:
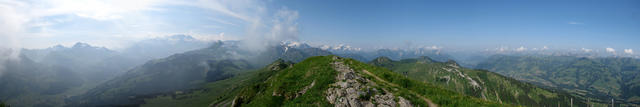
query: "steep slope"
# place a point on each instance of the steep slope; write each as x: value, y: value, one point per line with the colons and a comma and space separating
x: 477, y: 83
x: 602, y: 78
x: 320, y: 81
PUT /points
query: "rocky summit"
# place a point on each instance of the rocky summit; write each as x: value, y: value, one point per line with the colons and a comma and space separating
x: 351, y: 90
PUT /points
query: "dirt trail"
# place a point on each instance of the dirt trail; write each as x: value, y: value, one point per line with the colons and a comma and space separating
x: 431, y: 104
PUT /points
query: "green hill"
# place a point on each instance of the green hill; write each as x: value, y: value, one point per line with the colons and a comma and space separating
x: 319, y: 81
x: 602, y: 78
x: 478, y: 83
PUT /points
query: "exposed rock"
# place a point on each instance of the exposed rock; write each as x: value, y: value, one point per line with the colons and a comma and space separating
x: 404, y: 102
x: 444, y: 79
x: 472, y: 82
x: 385, y: 100
x: 352, y: 90
x: 304, y: 90
x: 476, y: 86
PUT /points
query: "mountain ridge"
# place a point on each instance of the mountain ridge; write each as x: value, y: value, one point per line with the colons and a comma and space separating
x: 317, y: 81
x: 600, y: 78
x: 478, y: 83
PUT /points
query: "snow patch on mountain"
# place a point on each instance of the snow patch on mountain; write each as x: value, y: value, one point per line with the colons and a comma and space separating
x: 340, y: 48
x: 295, y: 44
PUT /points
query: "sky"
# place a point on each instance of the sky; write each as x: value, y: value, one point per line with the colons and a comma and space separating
x: 451, y: 24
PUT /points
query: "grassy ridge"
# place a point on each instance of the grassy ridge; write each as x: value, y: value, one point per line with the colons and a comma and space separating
x: 279, y: 84
x: 491, y: 86
x: 282, y: 87
x: 437, y: 94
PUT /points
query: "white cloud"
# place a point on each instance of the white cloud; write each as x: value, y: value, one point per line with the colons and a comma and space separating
x: 100, y: 9
x: 502, y: 49
x: 610, y: 50
x: 283, y: 26
x: 263, y: 28
x: 434, y: 47
x: 587, y: 50
x: 628, y: 51
x: 246, y: 10
x: 215, y: 37
x: 521, y: 48
x: 535, y: 49
x: 19, y: 17
x: 574, y: 23
x: 127, y: 19
x: 11, y: 24
x: 94, y: 9
x: 7, y: 55
x: 223, y: 21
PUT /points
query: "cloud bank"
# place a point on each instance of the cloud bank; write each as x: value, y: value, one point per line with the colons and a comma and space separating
x: 24, y: 19
x: 574, y: 23
x: 112, y: 22
x: 283, y: 26
x: 628, y: 51
x: 587, y: 50
x: 118, y: 21
x: 610, y: 50
x: 521, y: 48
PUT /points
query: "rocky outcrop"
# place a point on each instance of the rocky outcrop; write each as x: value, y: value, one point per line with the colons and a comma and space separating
x: 352, y: 90
x: 472, y: 82
x: 453, y: 67
x: 305, y: 89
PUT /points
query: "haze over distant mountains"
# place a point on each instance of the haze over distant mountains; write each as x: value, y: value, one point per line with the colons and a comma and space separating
x: 45, y: 77
x: 351, y: 53
x: 86, y: 75
x: 600, y: 78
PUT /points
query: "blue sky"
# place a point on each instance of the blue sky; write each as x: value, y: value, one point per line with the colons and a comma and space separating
x: 361, y: 23
x: 567, y: 24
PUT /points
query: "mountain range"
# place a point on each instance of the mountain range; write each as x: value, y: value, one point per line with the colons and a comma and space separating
x: 319, y: 81
x: 185, y: 71
x: 46, y: 77
x: 181, y: 71
x: 603, y: 78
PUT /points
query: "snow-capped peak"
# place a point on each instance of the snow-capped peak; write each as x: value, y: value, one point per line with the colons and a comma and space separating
x: 340, y: 47
x: 294, y: 44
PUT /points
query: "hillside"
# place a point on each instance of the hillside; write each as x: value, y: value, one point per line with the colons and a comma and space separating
x: 478, y: 83
x: 319, y: 81
x: 184, y: 71
x: 602, y: 78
